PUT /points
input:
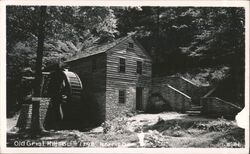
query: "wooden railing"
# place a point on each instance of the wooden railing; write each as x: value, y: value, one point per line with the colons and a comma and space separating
x: 218, y: 107
x: 184, y: 85
x: 179, y: 100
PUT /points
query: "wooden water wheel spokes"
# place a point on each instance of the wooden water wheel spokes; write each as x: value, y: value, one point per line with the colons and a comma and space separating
x: 64, y: 92
x: 70, y: 93
x: 75, y: 86
x: 64, y: 95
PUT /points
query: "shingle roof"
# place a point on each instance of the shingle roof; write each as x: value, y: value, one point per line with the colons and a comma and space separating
x: 96, y: 49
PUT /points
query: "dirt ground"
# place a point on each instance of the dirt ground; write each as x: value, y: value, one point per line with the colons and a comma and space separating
x: 163, y: 130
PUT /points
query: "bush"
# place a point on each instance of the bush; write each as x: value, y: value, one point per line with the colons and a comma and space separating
x: 154, y: 139
x: 117, y: 125
x: 217, y: 125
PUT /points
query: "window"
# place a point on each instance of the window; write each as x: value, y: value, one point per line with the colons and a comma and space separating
x: 122, y: 65
x: 130, y: 45
x: 122, y: 96
x: 139, y: 67
x: 94, y: 65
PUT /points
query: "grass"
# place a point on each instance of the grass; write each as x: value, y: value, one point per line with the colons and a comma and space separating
x: 162, y: 133
x: 219, y: 133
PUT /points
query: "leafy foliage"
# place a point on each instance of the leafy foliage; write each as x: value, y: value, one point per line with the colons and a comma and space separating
x: 184, y: 38
x: 68, y: 31
x: 204, y: 37
x: 178, y: 38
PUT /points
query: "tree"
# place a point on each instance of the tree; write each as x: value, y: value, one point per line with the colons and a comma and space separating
x: 36, y: 125
x: 162, y: 31
x: 68, y: 31
x: 186, y: 38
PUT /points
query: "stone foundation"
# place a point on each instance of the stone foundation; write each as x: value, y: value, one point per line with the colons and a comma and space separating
x: 114, y: 108
x: 24, y: 120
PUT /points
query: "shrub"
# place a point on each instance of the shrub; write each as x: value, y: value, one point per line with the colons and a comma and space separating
x: 154, y: 139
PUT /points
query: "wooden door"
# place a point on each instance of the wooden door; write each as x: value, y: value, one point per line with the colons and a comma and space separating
x: 139, y: 98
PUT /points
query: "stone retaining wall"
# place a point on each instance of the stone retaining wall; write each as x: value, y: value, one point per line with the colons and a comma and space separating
x: 170, y: 97
x: 183, y: 85
x: 215, y: 107
x: 24, y: 120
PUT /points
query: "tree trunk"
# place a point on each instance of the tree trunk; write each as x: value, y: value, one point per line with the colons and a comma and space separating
x: 36, y: 125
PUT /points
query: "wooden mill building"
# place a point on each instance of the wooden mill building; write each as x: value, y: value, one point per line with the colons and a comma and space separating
x: 116, y: 77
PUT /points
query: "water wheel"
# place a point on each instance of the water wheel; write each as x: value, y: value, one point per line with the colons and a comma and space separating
x: 65, y: 90
x: 71, y: 87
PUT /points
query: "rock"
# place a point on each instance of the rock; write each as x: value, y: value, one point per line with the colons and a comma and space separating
x: 160, y: 120
x: 144, y: 120
x: 129, y: 145
x: 97, y: 130
x: 129, y: 114
x: 13, y: 130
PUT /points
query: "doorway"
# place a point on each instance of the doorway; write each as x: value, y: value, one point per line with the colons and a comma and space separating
x: 139, y: 98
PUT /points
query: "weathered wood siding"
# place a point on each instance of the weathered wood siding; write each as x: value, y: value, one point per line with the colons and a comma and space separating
x: 126, y: 81
x: 94, y: 84
x: 104, y: 84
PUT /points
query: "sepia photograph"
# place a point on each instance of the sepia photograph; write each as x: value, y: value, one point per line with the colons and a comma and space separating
x: 126, y: 77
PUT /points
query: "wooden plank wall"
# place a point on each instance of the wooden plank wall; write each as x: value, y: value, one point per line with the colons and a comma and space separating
x: 129, y: 80
x: 92, y: 80
x: 94, y: 86
x: 131, y: 56
x: 106, y: 81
